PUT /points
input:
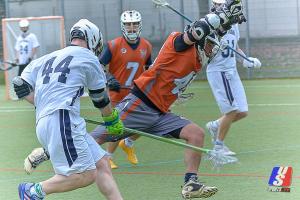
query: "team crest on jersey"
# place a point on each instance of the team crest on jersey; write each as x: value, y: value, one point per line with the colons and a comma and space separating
x: 143, y: 53
x: 123, y: 50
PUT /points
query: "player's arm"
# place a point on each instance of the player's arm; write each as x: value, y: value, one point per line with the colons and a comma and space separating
x: 24, y: 85
x: 148, y: 62
x: 35, y: 45
x: 255, y: 62
x: 96, y: 81
x: 105, y: 58
x: 110, y: 116
x: 220, y: 21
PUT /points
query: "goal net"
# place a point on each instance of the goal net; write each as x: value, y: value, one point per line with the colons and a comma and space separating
x: 49, y: 31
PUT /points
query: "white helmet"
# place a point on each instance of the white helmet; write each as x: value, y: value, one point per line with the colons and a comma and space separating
x: 23, y: 23
x: 207, y: 48
x: 131, y: 16
x: 86, y: 30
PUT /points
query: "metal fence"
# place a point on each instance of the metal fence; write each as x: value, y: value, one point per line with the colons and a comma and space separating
x: 272, y: 32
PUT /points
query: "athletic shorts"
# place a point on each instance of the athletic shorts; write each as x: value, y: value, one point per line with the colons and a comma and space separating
x: 71, y: 149
x: 228, y: 91
x: 137, y: 115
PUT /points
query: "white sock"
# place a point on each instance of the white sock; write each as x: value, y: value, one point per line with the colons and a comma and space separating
x: 217, y: 123
x: 128, y: 142
x: 37, y: 190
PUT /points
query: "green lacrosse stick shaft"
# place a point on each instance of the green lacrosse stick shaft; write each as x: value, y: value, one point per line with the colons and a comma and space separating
x: 155, y: 137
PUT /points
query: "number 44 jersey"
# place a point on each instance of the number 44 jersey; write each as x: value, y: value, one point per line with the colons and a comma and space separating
x: 59, y: 78
x: 225, y: 60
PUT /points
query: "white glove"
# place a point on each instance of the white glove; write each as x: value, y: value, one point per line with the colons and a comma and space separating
x: 254, y: 64
x: 34, y: 159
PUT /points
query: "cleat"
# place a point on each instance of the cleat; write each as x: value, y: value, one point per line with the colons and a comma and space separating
x: 224, y: 150
x: 112, y: 164
x: 131, y: 156
x: 194, y: 189
x: 213, y: 130
x: 24, y: 192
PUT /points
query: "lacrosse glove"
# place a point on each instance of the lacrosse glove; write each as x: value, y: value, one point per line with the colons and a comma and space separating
x: 21, y: 87
x: 34, y: 159
x: 254, y: 64
x: 113, y: 123
x: 112, y: 83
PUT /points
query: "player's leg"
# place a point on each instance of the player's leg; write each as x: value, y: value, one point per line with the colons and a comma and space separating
x: 104, y: 179
x: 127, y: 146
x: 222, y: 84
x: 175, y: 126
x: 111, y: 147
x: 63, y: 136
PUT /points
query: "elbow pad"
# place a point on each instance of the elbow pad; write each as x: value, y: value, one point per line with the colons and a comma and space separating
x: 99, y: 97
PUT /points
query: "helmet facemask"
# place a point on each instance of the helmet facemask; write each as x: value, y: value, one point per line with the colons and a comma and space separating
x: 207, y: 48
x: 131, y: 25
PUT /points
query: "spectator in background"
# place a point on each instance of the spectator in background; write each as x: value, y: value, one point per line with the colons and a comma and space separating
x: 26, y: 46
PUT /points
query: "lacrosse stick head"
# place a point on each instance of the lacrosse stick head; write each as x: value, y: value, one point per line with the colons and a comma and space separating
x: 160, y: 3
x: 183, y: 98
x: 218, y: 159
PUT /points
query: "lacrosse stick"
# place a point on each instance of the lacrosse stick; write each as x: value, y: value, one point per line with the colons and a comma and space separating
x: 3, y: 68
x: 217, y: 159
x: 182, y: 98
x: 164, y: 3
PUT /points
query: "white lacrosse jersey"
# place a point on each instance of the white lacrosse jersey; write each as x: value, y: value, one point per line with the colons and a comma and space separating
x: 24, y: 46
x: 225, y: 60
x: 59, y: 79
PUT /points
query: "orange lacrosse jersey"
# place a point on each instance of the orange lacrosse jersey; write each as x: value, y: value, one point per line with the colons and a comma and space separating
x: 169, y: 75
x: 127, y: 64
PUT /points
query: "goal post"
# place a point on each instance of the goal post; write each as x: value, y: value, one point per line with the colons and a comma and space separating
x: 49, y: 31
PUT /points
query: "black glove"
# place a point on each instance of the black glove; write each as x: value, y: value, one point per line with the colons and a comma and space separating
x: 21, y: 87
x: 112, y: 83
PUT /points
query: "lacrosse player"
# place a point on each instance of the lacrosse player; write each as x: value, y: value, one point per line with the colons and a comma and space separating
x: 54, y: 83
x: 126, y: 58
x: 26, y: 46
x: 146, y: 108
x: 226, y: 86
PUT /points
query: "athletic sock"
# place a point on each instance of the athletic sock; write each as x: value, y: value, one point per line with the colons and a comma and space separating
x: 37, y: 190
x: 216, y: 123
x: 128, y: 142
x: 188, y: 176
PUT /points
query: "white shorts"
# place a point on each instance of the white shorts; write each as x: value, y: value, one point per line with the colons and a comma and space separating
x: 228, y: 91
x: 71, y: 149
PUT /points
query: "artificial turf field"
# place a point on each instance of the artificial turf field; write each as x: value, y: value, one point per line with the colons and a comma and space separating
x: 268, y: 137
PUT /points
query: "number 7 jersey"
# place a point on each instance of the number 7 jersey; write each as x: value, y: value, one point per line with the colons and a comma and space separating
x: 127, y: 63
x: 59, y: 78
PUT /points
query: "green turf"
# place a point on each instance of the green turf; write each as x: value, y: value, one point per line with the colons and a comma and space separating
x: 267, y: 138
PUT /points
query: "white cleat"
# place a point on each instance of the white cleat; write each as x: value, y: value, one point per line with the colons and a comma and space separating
x: 223, y: 149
